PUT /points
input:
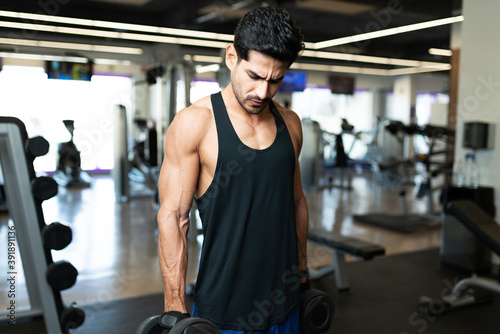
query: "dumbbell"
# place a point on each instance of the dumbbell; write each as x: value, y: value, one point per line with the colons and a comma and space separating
x: 179, y: 323
x: 56, y: 236
x: 316, y: 312
x: 37, y: 146
x: 44, y: 188
x: 72, y: 317
x: 61, y: 275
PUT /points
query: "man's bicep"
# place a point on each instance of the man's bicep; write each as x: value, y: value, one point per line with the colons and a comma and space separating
x: 179, y: 172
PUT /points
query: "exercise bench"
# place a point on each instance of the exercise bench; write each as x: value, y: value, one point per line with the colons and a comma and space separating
x: 342, y: 246
x: 468, y: 291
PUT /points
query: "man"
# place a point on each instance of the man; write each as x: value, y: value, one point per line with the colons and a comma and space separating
x: 236, y: 153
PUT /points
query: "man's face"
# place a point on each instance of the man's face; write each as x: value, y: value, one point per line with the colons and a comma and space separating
x: 256, y: 81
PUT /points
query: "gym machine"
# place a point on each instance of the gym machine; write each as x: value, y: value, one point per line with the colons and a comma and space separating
x: 133, y: 174
x: 69, y: 172
x: 317, y: 313
x: 45, y: 279
x: 143, y: 159
x: 476, y: 289
x: 402, y: 172
x: 326, y: 158
x: 315, y: 171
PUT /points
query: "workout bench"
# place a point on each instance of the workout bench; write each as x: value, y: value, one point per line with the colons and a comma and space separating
x: 342, y: 245
x: 468, y: 291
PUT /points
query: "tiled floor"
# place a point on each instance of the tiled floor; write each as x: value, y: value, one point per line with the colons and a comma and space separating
x: 114, y: 244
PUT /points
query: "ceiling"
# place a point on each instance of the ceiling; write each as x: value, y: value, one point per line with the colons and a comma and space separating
x: 319, y: 19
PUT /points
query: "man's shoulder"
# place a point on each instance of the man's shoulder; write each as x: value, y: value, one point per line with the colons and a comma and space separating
x: 291, y: 118
x: 196, y: 115
x: 191, y: 124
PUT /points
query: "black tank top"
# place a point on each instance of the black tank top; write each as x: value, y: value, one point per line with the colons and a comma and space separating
x: 248, y: 272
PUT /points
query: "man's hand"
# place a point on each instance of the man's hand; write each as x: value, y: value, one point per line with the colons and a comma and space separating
x: 304, y: 284
x: 169, y: 319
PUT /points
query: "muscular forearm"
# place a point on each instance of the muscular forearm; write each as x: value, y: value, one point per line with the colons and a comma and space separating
x: 301, y: 218
x: 173, y: 258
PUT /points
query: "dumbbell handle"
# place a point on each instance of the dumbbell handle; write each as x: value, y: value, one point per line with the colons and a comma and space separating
x: 171, y: 318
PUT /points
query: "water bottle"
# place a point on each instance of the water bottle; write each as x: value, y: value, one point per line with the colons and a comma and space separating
x: 458, y: 174
x: 467, y: 170
x: 474, y: 172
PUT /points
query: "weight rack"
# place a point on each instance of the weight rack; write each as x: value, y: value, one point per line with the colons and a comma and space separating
x: 25, y: 193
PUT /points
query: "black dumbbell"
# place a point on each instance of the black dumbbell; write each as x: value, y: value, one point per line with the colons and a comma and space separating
x: 316, y: 312
x: 37, y: 147
x: 61, y: 275
x: 56, y: 236
x: 72, y: 317
x: 179, y: 324
x: 44, y: 188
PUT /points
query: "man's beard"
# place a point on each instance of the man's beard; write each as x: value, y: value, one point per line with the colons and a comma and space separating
x: 251, y: 109
x: 254, y: 110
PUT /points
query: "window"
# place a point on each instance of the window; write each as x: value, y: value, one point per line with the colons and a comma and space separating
x: 43, y: 104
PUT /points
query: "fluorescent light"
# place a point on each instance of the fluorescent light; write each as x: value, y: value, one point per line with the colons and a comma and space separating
x: 367, y: 71
x: 114, y: 35
x: 71, y: 46
x: 219, y: 41
x: 117, y: 25
x: 207, y: 59
x: 388, y: 32
x: 207, y: 68
x: 440, y: 52
x: 99, y: 61
x: 17, y: 55
x: 367, y: 59
x: 103, y: 61
x: 342, y: 69
x: 413, y: 70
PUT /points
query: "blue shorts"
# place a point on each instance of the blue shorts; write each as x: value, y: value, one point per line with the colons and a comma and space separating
x: 289, y: 326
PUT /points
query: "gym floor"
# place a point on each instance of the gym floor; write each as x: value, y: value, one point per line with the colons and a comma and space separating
x: 114, y: 244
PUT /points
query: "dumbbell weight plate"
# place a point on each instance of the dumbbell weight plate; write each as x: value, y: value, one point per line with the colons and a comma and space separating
x: 150, y: 326
x: 316, y: 312
x: 195, y: 326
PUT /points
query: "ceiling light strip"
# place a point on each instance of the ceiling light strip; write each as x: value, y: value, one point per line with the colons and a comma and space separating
x: 342, y: 69
x: 414, y: 70
x: 117, y: 25
x: 17, y: 55
x: 112, y: 34
x: 367, y: 59
x: 207, y: 59
x: 72, y: 46
x: 367, y: 71
x: 204, y: 43
x: 440, y: 52
x: 388, y: 32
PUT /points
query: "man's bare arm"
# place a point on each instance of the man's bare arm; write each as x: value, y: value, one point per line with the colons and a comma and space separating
x: 177, y: 185
x: 301, y: 213
x: 301, y: 210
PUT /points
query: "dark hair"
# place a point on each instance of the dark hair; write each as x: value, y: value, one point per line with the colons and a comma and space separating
x: 270, y: 31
